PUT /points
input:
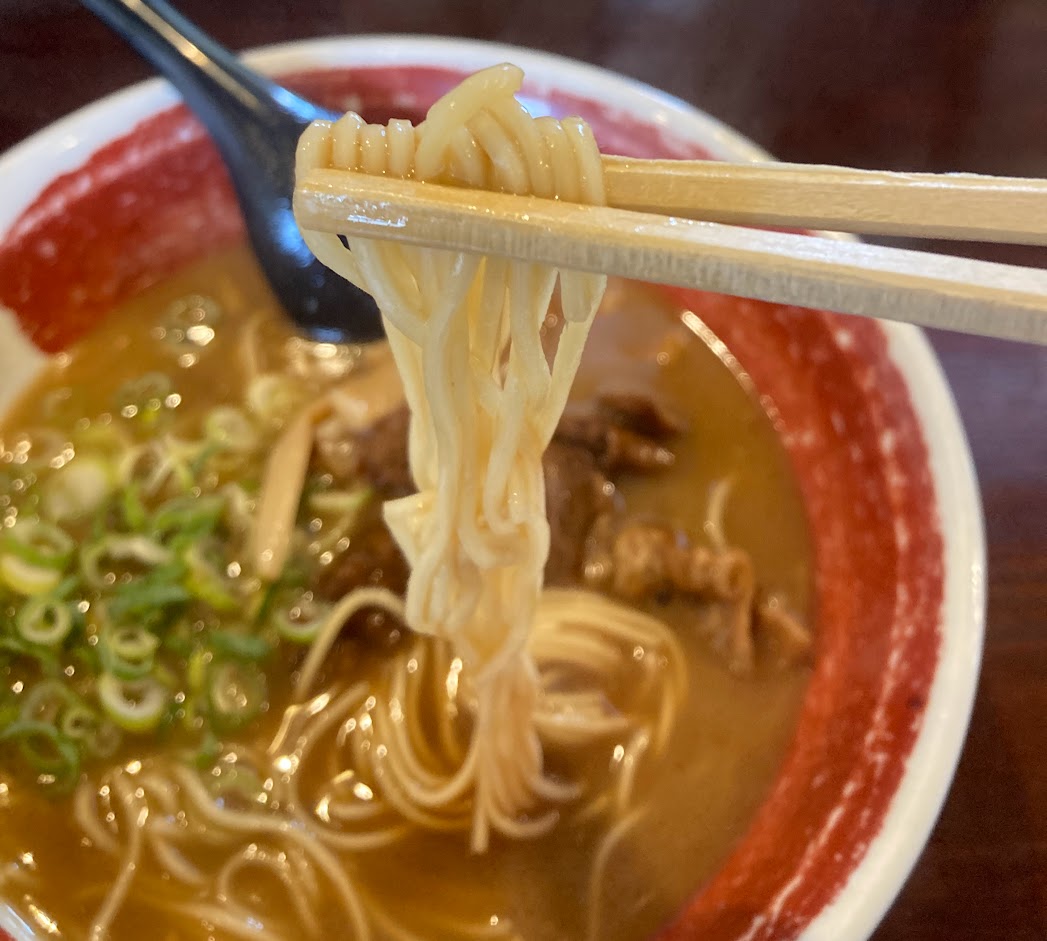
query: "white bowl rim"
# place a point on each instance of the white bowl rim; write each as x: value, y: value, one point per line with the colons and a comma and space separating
x: 874, y: 883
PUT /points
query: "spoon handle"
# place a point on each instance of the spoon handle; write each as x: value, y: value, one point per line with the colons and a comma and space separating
x: 214, y: 83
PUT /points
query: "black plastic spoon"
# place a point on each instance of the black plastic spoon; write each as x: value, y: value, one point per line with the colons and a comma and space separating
x: 255, y: 124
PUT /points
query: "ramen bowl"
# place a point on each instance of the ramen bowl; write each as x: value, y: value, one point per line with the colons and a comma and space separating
x: 90, y: 215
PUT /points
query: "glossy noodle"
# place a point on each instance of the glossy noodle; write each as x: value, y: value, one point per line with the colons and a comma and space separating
x: 484, y: 402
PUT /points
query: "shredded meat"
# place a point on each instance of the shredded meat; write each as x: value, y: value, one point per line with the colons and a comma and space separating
x: 639, y: 560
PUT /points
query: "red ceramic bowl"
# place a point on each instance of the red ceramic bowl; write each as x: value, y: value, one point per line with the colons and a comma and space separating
x: 91, y: 216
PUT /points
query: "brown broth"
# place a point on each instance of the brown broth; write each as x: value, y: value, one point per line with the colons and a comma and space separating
x: 731, y: 734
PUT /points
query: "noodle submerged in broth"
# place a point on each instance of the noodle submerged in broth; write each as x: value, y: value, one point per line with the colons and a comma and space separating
x: 301, y: 639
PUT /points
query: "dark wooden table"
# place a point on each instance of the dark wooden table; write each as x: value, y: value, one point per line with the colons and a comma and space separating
x: 894, y: 84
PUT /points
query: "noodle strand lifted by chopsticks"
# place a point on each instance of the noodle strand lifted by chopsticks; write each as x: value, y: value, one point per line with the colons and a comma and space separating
x: 465, y: 332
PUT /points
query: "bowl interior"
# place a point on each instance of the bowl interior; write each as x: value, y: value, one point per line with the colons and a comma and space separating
x: 848, y: 413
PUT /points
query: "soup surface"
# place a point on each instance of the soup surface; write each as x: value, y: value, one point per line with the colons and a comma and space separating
x: 159, y: 367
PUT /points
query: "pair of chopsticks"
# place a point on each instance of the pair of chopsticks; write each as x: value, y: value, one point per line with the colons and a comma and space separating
x: 650, y: 231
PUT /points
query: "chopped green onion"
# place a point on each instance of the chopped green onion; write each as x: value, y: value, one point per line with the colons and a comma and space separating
x: 236, y: 693
x: 96, y: 735
x: 139, y: 549
x: 197, y: 515
x: 273, y: 397
x: 134, y: 705
x: 153, y: 597
x: 239, y: 508
x: 208, y: 752
x: 262, y: 603
x: 45, y: 658
x: 26, y: 579
x: 46, y: 700
x: 66, y: 587
x: 249, y: 647
x: 46, y: 750
x: 38, y: 544
x: 44, y: 621
x: 134, y: 511
x: 143, y: 398
x: 133, y: 643
x: 196, y: 669
x: 8, y: 713
x: 128, y: 652
x: 108, y: 440
x: 301, y: 622
x: 205, y: 582
x: 77, y: 489
x: 232, y: 429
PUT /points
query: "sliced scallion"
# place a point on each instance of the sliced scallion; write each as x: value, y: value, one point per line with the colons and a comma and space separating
x: 230, y: 428
x: 38, y: 544
x: 45, y: 621
x: 128, y: 652
x: 133, y: 705
x: 235, y: 692
x: 78, y: 489
x: 239, y: 646
x: 300, y: 622
x: 27, y: 579
x: 204, y: 581
x: 273, y: 397
x: 134, y: 510
x: 154, y: 597
x: 340, y: 502
x: 46, y: 750
x: 45, y: 658
x: 46, y: 700
x: 95, y: 734
x: 139, y: 549
x: 187, y: 514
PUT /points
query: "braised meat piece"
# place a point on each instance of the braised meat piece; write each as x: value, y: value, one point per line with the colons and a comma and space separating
x: 382, y: 453
x: 616, y: 431
x: 641, y: 413
x: 373, y: 560
x: 638, y: 560
x: 576, y: 493
x: 620, y: 439
x: 621, y: 430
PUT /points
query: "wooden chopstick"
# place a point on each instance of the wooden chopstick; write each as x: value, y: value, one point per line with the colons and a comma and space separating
x: 850, y: 277
x: 870, y: 202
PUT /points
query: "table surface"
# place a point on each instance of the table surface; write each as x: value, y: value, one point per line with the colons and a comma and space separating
x: 893, y: 84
